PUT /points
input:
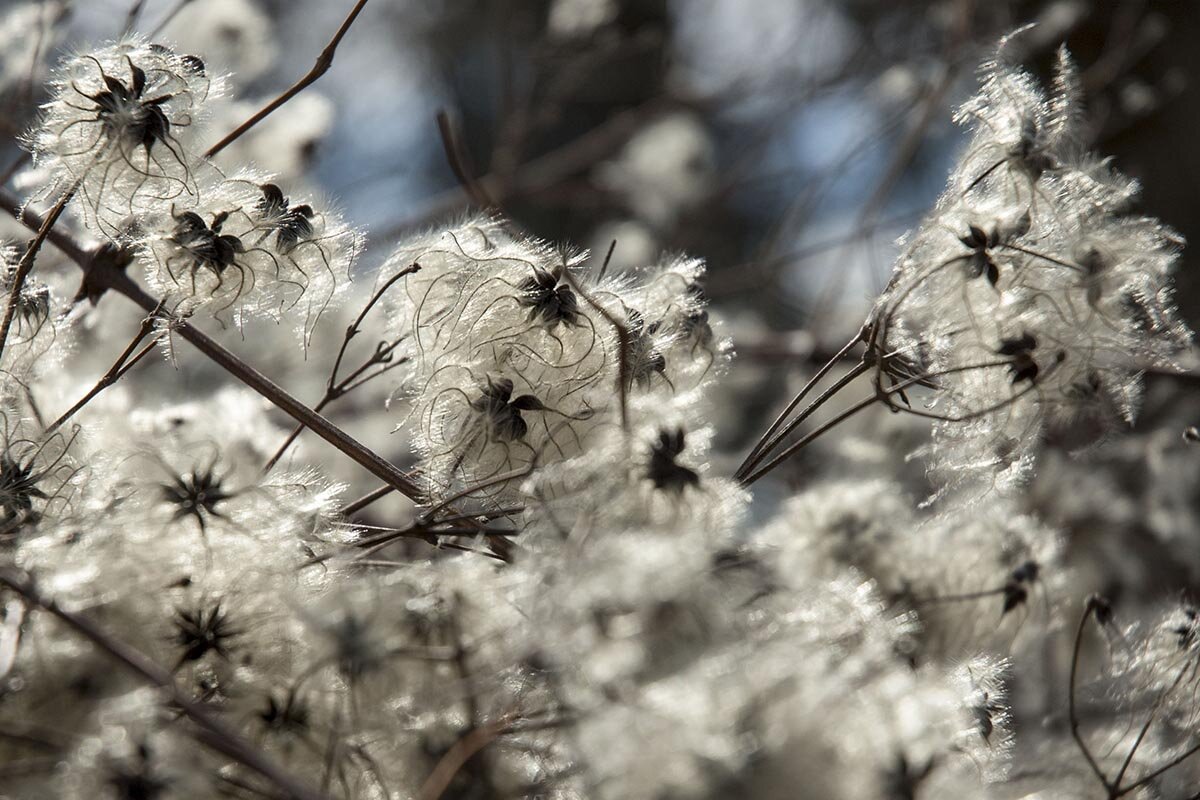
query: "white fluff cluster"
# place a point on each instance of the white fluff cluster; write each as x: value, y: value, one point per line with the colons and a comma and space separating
x: 40, y: 335
x: 517, y: 357
x: 247, y: 246
x: 1031, y: 299
x: 121, y: 132
x: 118, y: 128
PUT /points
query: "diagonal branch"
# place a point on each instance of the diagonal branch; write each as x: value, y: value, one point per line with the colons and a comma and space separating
x: 25, y: 265
x: 322, y: 65
x: 102, y: 276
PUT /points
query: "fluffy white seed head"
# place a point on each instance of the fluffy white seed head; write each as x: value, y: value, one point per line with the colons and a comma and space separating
x: 1030, y: 300
x: 245, y: 248
x: 118, y: 127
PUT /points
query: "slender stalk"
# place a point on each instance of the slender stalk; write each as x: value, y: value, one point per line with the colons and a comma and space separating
x: 808, y: 387
x: 799, y: 444
x: 959, y: 598
x: 475, y: 763
x: 335, y: 389
x: 169, y: 16
x: 131, y: 17
x: 323, y: 63
x: 460, y: 163
x: 624, y: 346
x: 25, y: 265
x: 212, y: 731
x: 356, y: 326
x: 884, y: 395
x: 457, y: 757
x: 353, y: 508
x: 754, y: 459
x: 1146, y: 728
x: 1142, y: 781
x: 1072, y: 713
x: 382, y: 355
x: 125, y: 362
x: 365, y: 457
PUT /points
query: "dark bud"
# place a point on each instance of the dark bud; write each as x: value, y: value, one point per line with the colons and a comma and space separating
x: 1027, y: 572
x: 976, y: 238
x: 193, y: 64
x: 1101, y: 609
x: 1191, y: 435
x: 1014, y: 595
x: 992, y: 272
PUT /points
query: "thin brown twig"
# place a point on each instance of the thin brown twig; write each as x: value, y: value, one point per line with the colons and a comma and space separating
x: 367, y: 499
x: 125, y: 362
x: 884, y: 395
x: 169, y: 17
x: 1137, y: 742
x: 475, y: 763
x: 335, y: 389
x: 1174, y: 762
x: 131, y: 17
x: 779, y: 430
x: 545, y: 171
x: 1073, y: 715
x: 791, y: 406
x: 624, y: 346
x: 460, y: 161
x: 457, y: 756
x: 25, y: 265
x: 842, y: 382
x: 323, y: 63
x: 213, y: 731
x: 804, y: 441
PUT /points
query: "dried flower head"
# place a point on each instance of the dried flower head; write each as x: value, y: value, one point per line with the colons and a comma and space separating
x: 117, y: 127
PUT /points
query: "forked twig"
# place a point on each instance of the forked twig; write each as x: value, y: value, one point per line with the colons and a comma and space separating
x: 125, y: 362
x: 335, y: 389
x: 1091, y: 607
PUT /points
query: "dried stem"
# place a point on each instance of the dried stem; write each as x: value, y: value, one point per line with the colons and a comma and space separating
x: 1146, y: 729
x: 456, y: 758
x: 334, y: 388
x: 798, y: 445
x: 1073, y: 715
x: 1140, y: 782
x: 25, y: 265
x: 460, y: 162
x: 131, y: 17
x: 170, y: 15
x: 765, y: 449
x: 753, y: 457
x: 883, y: 395
x: 354, y: 507
x: 125, y: 362
x: 624, y: 346
x: 322, y: 65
